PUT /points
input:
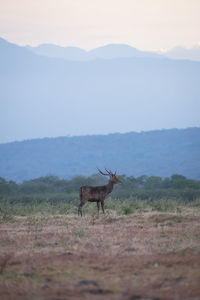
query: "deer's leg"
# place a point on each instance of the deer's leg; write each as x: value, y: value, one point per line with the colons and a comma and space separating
x: 98, y: 207
x: 102, y: 206
x: 80, y: 208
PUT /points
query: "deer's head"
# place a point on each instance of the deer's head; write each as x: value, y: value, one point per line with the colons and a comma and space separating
x: 113, y: 177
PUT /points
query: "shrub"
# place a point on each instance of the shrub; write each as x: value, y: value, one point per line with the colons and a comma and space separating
x: 164, y: 205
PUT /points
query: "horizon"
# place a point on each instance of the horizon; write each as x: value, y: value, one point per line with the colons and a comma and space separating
x: 158, y: 50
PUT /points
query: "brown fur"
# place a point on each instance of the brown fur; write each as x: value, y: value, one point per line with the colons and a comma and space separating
x: 97, y: 193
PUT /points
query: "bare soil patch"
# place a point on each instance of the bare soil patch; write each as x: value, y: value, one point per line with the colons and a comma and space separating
x: 140, y: 256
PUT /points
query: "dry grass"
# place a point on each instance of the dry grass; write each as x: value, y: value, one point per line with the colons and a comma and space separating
x: 147, y: 255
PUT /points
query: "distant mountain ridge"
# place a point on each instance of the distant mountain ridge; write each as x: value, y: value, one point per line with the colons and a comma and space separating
x: 184, y: 53
x: 160, y: 153
x: 43, y: 96
x: 110, y: 51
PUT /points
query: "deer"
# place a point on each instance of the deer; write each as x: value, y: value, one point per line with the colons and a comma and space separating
x: 97, y: 193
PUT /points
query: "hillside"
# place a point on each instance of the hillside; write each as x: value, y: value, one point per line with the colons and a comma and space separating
x: 48, y: 97
x: 160, y: 153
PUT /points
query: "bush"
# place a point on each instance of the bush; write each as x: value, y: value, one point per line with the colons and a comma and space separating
x: 164, y: 205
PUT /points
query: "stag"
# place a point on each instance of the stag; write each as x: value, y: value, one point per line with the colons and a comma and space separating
x: 97, y: 193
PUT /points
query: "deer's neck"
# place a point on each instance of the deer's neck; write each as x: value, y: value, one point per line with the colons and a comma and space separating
x: 110, y: 186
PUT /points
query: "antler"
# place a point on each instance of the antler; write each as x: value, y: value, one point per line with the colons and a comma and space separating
x: 108, y: 173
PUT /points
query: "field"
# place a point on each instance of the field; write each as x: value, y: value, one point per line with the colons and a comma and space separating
x: 138, y: 254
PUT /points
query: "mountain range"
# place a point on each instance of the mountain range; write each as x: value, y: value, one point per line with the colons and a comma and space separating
x: 47, y: 97
x: 112, y: 51
x: 112, y: 89
x: 159, y: 153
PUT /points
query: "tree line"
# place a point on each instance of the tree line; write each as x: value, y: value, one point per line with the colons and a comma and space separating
x: 53, y: 189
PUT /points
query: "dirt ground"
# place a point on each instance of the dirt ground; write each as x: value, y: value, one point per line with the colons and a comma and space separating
x: 149, y: 255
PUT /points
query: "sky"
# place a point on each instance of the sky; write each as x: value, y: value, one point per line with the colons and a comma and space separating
x: 144, y: 24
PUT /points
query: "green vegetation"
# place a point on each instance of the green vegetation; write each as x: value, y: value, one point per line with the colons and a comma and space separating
x: 58, y: 196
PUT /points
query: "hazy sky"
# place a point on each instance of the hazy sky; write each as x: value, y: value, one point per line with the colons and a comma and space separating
x: 144, y: 24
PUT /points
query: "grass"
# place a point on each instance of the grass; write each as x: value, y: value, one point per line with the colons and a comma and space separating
x: 195, y: 203
x: 121, y: 207
x: 165, y: 205
x: 136, y: 250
